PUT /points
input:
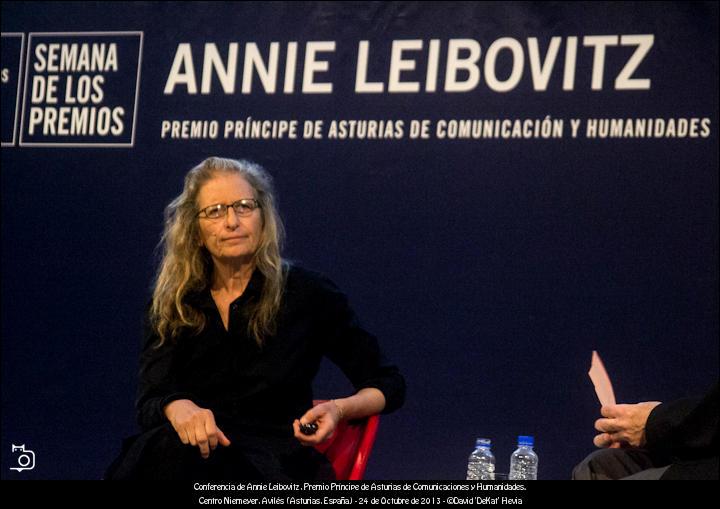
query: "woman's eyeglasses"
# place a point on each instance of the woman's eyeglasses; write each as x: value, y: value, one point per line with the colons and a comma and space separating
x: 242, y: 208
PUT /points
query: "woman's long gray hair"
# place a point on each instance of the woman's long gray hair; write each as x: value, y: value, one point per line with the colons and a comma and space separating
x: 186, y: 266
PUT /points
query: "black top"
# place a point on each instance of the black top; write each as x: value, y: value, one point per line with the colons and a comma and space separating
x: 686, y: 432
x: 266, y: 388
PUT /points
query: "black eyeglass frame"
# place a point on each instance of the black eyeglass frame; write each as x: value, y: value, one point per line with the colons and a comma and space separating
x: 222, y: 208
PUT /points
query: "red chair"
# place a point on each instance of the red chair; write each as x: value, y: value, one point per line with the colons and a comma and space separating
x: 349, y: 448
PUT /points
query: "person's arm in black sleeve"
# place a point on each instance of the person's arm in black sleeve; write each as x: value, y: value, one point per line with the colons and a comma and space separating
x: 686, y: 428
x: 157, y: 384
x: 357, y: 352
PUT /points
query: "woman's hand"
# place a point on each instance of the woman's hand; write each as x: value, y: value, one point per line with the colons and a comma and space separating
x: 195, y: 426
x: 326, y: 415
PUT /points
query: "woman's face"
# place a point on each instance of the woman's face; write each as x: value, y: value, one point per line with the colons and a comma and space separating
x: 229, y: 238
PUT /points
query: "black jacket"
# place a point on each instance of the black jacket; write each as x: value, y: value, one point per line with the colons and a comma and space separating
x: 267, y: 387
x: 686, y: 432
x: 254, y: 392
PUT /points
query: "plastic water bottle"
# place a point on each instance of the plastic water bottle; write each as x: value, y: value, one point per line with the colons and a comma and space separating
x: 524, y: 461
x: 481, y: 465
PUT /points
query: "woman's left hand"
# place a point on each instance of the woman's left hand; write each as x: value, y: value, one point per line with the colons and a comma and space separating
x: 325, y: 415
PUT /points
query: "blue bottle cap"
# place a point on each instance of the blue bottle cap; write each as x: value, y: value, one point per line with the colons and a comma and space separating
x: 526, y: 440
x: 482, y: 442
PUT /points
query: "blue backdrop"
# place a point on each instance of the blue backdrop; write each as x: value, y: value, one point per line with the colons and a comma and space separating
x: 489, y: 267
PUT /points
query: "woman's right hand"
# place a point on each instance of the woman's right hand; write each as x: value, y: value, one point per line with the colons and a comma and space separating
x: 195, y: 426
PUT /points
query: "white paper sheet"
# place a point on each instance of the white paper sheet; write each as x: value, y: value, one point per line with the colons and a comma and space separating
x: 601, y: 381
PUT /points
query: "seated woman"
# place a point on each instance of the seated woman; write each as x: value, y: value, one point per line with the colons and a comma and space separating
x: 234, y: 338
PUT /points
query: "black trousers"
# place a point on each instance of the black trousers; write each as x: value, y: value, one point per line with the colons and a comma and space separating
x: 612, y: 464
x: 159, y: 454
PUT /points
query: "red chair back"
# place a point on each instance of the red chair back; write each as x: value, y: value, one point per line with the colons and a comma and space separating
x: 349, y: 448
